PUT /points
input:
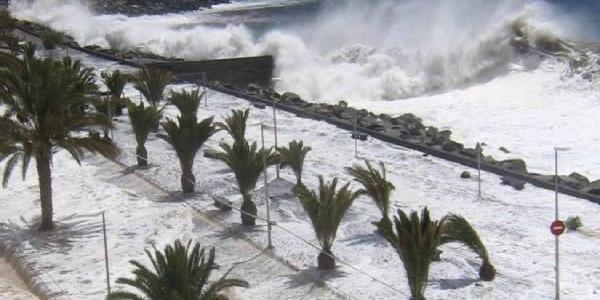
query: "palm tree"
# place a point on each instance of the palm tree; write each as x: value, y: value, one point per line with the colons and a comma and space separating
x: 178, y: 274
x: 375, y: 185
x: 326, y: 211
x: 235, y: 125
x: 44, y: 100
x: 152, y: 83
x: 293, y: 156
x: 416, y: 241
x: 101, y: 106
x: 7, y: 26
x: 458, y: 229
x: 187, y: 136
x: 143, y: 120
x: 115, y: 83
x: 247, y: 163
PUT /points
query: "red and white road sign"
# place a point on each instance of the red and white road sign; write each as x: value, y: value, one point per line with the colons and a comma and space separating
x: 557, y: 227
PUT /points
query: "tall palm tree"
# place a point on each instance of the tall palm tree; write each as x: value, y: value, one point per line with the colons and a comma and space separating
x: 143, y: 120
x: 416, y: 241
x: 177, y: 274
x: 247, y: 163
x: 187, y: 135
x: 459, y: 230
x: 375, y: 185
x: 115, y: 83
x: 44, y: 101
x: 7, y: 26
x: 326, y: 211
x: 152, y: 83
x: 235, y: 125
x: 293, y: 156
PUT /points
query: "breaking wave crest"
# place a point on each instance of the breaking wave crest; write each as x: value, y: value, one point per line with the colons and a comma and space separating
x: 391, y: 51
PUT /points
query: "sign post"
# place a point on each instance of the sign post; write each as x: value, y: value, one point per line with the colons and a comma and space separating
x: 557, y: 224
x: 269, y: 228
x: 479, y: 150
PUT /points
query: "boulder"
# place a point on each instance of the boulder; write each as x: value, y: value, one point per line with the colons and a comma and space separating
x: 504, y: 150
x: 516, y: 184
x: 515, y: 165
x: 290, y: 97
x: 594, y: 188
x: 465, y: 175
x: 451, y: 146
x: 343, y: 104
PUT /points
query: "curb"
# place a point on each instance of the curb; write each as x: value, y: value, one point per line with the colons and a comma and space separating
x: 36, y: 286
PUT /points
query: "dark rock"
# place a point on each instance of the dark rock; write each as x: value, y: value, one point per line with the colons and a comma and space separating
x: 465, y: 175
x: 222, y: 203
x: 515, y: 165
x: 259, y: 105
x: 516, y: 184
x: 452, y: 146
x: 594, y: 188
x: 469, y: 152
x: 504, y: 150
x: 343, y: 104
x: 290, y: 97
x: 360, y: 136
x: 211, y: 153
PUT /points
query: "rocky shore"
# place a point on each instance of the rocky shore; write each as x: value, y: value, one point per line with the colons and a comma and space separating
x: 150, y: 7
x: 410, y: 128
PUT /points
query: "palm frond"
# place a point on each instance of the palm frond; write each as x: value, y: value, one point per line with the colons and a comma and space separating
x: 375, y: 185
x: 459, y: 230
x: 152, y: 83
x: 294, y: 156
x: 186, y: 102
x: 143, y: 120
x: 235, y: 125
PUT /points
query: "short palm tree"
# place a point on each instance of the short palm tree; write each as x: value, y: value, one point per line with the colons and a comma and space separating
x: 152, y: 83
x: 178, y: 273
x: 375, y: 186
x: 115, y: 83
x: 101, y: 105
x: 459, y: 230
x: 143, y: 120
x: 188, y: 135
x: 326, y: 210
x: 416, y: 241
x: 247, y: 163
x: 44, y: 101
x: 293, y: 156
x: 235, y: 125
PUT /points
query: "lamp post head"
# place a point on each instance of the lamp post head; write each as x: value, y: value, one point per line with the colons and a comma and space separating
x: 562, y: 149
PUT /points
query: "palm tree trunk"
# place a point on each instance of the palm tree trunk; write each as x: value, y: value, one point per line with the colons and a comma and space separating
x: 248, y: 210
x: 117, y: 106
x: 142, y: 156
x: 326, y: 260
x: 188, y: 181
x: 42, y: 160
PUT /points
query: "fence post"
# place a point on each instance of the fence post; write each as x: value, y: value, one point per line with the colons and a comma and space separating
x: 262, y: 134
x: 106, y: 255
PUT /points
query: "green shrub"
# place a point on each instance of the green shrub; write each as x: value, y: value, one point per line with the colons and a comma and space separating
x: 574, y: 223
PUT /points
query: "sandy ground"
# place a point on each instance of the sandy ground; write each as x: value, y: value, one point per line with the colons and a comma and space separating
x: 11, y: 285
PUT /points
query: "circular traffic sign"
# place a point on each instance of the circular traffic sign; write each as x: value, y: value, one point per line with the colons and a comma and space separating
x: 557, y: 227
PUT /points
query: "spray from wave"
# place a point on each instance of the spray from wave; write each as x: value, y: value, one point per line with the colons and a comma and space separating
x: 356, y: 51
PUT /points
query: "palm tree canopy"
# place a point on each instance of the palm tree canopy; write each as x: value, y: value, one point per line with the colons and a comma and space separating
x: 235, y: 125
x: 115, y: 82
x: 46, y: 103
x: 416, y: 240
x: 327, y: 208
x: 294, y: 155
x: 187, y: 136
x: 246, y: 161
x: 186, y: 102
x: 374, y: 184
x: 177, y: 274
x: 152, y: 83
x: 143, y: 119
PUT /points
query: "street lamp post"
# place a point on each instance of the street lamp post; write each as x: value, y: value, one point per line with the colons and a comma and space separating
x: 479, y: 150
x: 556, y: 242
x: 274, y: 106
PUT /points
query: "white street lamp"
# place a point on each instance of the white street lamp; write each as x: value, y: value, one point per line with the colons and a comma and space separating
x: 557, y: 269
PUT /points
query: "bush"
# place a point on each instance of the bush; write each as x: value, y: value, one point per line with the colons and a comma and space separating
x: 50, y: 39
x: 574, y: 223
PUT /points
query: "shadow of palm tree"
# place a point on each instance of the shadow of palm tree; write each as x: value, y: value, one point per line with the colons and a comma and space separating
x: 237, y: 231
x: 68, y: 229
x: 454, y: 283
x: 373, y: 238
x: 314, y: 277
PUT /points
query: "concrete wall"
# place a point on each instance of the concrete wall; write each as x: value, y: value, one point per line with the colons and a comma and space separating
x: 234, y: 71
